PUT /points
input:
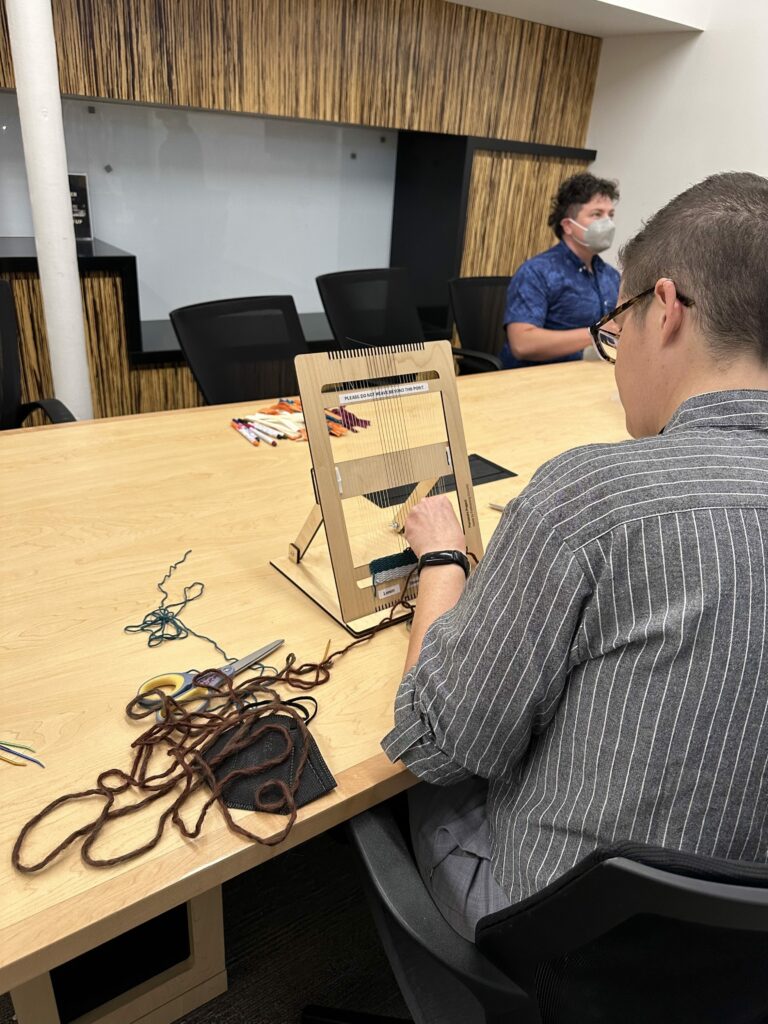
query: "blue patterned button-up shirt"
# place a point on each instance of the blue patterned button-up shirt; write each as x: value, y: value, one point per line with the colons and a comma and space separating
x: 555, y: 290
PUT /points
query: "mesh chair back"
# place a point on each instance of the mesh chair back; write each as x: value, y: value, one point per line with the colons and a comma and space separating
x: 478, y: 311
x: 638, y: 934
x: 374, y: 307
x: 10, y: 367
x: 241, y: 349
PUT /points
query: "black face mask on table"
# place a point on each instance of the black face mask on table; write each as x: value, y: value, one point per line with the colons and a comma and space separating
x: 277, y: 746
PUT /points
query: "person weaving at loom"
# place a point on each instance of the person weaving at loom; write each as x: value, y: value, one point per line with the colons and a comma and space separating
x: 603, y: 675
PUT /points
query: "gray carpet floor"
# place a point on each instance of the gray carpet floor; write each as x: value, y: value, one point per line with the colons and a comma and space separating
x: 297, y: 931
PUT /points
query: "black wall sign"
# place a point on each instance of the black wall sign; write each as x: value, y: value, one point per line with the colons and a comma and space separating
x: 81, y: 214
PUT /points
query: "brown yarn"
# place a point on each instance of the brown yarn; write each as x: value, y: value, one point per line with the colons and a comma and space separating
x: 188, y: 735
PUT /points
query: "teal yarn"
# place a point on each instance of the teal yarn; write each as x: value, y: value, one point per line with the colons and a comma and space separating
x: 396, y: 561
x: 163, y: 624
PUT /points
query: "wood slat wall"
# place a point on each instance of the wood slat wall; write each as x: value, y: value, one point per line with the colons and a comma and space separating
x: 509, y: 202
x: 36, y: 375
x: 106, y: 344
x: 164, y: 387
x: 426, y: 65
x: 117, y: 390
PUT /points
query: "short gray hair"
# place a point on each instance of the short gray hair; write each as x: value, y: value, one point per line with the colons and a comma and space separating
x: 712, y: 241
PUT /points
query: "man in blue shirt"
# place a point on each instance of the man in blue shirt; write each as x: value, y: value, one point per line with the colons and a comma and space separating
x: 554, y: 296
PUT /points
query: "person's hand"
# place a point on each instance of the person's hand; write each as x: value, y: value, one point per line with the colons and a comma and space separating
x: 431, y: 525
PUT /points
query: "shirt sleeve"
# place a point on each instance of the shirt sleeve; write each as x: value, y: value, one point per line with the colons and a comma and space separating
x: 527, y: 298
x: 614, y: 281
x: 493, y: 669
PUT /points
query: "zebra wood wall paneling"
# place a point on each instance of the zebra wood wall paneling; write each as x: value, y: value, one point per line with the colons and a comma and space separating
x: 509, y: 201
x: 36, y: 375
x: 156, y: 388
x: 426, y: 65
x: 106, y: 343
x: 117, y: 390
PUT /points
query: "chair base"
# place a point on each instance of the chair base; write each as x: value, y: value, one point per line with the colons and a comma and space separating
x: 324, y: 1015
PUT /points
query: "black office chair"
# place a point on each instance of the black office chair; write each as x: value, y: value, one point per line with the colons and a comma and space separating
x: 477, y: 304
x: 241, y: 349
x: 631, y: 935
x: 376, y: 307
x: 13, y: 411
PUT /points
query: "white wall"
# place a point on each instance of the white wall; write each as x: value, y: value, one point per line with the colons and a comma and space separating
x: 604, y: 17
x: 217, y: 205
x: 686, y: 12
x: 671, y: 109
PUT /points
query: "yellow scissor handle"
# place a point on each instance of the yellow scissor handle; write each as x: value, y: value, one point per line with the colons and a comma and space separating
x: 193, y: 693
x: 173, y: 682
x: 176, y: 685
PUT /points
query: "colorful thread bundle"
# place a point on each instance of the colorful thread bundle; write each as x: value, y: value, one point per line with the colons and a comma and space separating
x: 285, y: 421
x: 14, y: 750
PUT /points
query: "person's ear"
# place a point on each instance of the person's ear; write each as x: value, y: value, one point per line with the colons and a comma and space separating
x: 566, y: 226
x: 670, y: 309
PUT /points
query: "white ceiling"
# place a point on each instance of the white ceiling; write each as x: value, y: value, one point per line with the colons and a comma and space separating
x: 605, y: 17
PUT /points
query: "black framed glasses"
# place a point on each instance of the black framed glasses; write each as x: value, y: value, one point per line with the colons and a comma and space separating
x: 605, y: 341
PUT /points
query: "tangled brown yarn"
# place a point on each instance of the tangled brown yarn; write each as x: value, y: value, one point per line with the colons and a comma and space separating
x: 187, y: 735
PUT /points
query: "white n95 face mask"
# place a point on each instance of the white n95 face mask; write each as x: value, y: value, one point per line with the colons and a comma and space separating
x: 598, y: 236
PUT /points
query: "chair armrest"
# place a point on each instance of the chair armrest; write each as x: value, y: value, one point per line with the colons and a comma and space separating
x: 484, y: 360
x: 55, y: 410
x: 396, y: 881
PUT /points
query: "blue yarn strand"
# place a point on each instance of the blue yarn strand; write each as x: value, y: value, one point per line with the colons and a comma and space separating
x: 17, y: 753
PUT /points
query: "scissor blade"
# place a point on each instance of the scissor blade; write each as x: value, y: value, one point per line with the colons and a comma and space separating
x: 252, y: 659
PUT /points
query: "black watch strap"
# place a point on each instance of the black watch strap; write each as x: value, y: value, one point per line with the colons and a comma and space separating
x: 445, y: 558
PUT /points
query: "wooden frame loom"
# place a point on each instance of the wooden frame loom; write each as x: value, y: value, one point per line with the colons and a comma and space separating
x: 415, y: 442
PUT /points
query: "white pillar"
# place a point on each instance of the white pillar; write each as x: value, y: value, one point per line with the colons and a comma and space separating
x: 30, y: 27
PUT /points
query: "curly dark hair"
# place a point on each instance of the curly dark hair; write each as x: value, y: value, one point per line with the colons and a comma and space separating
x: 576, y: 191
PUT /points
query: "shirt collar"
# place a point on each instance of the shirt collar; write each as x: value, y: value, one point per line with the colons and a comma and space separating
x: 577, y: 261
x: 722, y: 410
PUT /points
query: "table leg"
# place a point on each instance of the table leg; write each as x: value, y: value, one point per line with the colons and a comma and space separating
x: 35, y: 1001
x: 162, y: 999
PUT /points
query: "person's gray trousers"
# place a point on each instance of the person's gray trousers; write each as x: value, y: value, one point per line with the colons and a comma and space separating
x: 451, y: 843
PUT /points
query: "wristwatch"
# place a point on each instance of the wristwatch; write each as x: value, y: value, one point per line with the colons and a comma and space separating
x: 445, y: 558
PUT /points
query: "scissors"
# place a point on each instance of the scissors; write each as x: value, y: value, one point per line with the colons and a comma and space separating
x: 193, y: 685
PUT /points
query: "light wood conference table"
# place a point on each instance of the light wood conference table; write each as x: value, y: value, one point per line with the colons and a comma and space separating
x: 93, y: 514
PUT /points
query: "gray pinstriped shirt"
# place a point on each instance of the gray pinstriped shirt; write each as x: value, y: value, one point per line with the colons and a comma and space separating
x: 606, y: 667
